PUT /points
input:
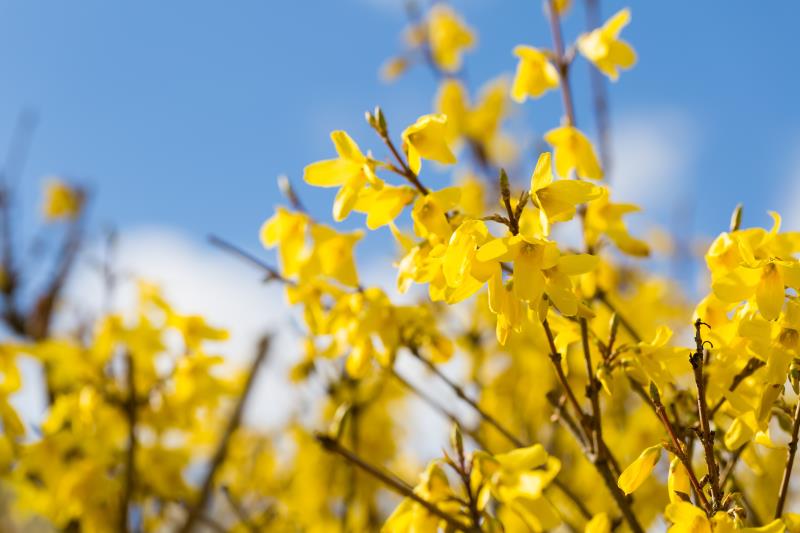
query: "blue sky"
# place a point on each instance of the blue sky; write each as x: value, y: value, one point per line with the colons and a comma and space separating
x: 182, y: 113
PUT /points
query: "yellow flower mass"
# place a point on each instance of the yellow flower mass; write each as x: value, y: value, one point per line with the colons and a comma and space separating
x: 514, y: 309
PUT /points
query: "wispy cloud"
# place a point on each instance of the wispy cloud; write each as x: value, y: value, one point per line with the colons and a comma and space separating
x: 653, y: 154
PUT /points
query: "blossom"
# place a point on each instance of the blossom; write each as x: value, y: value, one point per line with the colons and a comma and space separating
x: 61, y: 201
x: 573, y: 151
x: 351, y: 171
x: 535, y: 74
x: 427, y: 138
x: 603, y: 47
x: 448, y: 37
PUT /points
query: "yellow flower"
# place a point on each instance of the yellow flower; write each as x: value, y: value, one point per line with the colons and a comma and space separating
x: 383, y: 205
x: 61, y: 202
x: 573, y: 151
x: 287, y: 231
x: 678, y: 481
x: 755, y: 263
x: 535, y: 74
x: 556, y: 201
x: 686, y: 518
x: 605, y: 218
x: 333, y: 254
x: 427, y: 138
x: 448, y: 37
x: 603, y: 47
x: 351, y: 171
x: 479, y: 123
x: 434, y: 488
x: 639, y: 470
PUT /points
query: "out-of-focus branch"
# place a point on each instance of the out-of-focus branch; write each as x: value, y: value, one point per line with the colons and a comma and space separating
x: 197, y: 509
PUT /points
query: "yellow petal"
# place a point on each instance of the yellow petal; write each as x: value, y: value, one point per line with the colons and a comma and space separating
x: 770, y: 292
x: 638, y: 471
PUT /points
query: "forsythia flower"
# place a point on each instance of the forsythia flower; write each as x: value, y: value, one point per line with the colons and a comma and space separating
x: 686, y: 518
x: 639, y: 470
x: 448, y: 37
x: 535, y: 74
x: 426, y: 138
x: 351, y: 171
x: 603, y: 48
x: 755, y: 263
x: 573, y: 151
x: 410, y: 516
x: 61, y: 202
x: 556, y: 201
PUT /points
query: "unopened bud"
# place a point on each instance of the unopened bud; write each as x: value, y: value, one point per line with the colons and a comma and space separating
x: 736, y: 218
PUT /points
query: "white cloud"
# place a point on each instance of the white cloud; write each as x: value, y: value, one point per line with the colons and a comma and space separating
x: 198, y: 279
x: 653, y: 154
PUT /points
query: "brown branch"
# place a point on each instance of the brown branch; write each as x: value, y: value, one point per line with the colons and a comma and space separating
x: 677, y: 446
x: 598, y: 459
x: 391, y: 481
x: 196, y: 510
x: 272, y: 272
x: 697, y: 360
x: 459, y: 391
x: 787, y: 471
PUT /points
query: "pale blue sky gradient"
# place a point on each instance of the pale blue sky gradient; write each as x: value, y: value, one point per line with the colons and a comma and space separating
x: 182, y: 113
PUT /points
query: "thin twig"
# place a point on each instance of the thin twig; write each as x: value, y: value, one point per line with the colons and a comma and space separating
x: 598, y: 460
x: 677, y: 447
x: 697, y: 360
x: 787, y: 471
x: 391, y: 481
x: 272, y: 272
x: 459, y: 391
x: 196, y: 510
x: 561, y: 61
x: 603, y: 298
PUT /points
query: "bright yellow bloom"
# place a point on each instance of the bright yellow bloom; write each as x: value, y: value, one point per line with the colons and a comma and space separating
x: 603, y: 47
x: 410, y: 516
x: 678, y: 481
x: 479, y: 123
x: 605, y: 218
x: 351, y: 171
x: 383, y: 205
x: 573, y: 151
x: 535, y: 74
x: 61, y: 202
x: 639, y: 470
x: 427, y: 138
x: 287, y: 231
x: 556, y: 201
x: 686, y: 518
x: 755, y: 263
x: 333, y: 254
x: 448, y: 37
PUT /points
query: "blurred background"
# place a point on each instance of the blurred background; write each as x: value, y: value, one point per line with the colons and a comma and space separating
x: 180, y: 115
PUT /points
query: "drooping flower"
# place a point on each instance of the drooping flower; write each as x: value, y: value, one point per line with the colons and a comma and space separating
x: 573, y: 151
x: 604, y: 48
x: 427, y: 138
x: 535, y: 74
